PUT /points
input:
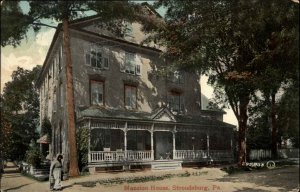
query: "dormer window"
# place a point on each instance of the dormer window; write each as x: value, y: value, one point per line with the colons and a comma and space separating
x: 97, y: 58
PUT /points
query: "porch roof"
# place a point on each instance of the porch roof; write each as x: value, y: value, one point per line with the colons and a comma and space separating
x: 105, y: 113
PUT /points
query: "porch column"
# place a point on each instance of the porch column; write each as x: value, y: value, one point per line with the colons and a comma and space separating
x: 152, y: 143
x: 125, y: 140
x: 174, y: 145
x: 89, y: 142
x: 207, y: 143
x: 152, y: 147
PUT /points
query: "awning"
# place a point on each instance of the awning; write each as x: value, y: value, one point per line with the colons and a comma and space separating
x: 44, y: 140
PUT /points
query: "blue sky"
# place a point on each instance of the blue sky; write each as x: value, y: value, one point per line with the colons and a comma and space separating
x: 33, y: 50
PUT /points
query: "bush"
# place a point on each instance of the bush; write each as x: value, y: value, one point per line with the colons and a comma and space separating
x: 34, y: 157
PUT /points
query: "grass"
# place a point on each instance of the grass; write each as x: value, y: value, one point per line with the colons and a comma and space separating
x: 140, y: 179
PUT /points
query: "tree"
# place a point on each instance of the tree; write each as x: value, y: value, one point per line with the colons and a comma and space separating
x: 230, y: 41
x: 20, y: 113
x: 288, y: 114
x: 66, y: 11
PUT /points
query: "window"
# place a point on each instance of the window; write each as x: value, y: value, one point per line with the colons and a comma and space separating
x: 175, y: 102
x: 176, y: 77
x: 131, y: 66
x: 130, y: 97
x: 97, y: 57
x: 61, y: 92
x: 97, y: 97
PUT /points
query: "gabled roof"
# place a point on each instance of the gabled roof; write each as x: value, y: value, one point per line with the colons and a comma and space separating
x: 92, y: 18
x: 163, y: 114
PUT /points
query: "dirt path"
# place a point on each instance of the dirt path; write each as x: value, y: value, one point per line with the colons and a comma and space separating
x: 207, y: 179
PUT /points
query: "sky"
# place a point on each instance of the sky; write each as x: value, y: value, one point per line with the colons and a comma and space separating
x: 33, y: 50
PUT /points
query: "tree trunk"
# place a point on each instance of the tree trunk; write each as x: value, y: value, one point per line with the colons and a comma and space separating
x: 242, y: 122
x: 274, y: 127
x: 73, y: 163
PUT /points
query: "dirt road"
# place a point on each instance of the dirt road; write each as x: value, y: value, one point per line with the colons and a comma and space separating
x: 207, y: 179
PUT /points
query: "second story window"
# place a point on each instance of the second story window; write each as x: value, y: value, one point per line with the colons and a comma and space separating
x: 176, y: 77
x: 97, y: 93
x: 130, y: 97
x: 131, y: 64
x: 175, y: 102
x: 97, y: 58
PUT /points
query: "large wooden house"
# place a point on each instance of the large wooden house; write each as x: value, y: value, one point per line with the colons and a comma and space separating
x: 134, y: 114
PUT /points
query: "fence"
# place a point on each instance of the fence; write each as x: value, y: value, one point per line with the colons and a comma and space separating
x: 260, y: 154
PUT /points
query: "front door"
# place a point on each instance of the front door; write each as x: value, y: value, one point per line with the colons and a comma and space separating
x: 163, y: 145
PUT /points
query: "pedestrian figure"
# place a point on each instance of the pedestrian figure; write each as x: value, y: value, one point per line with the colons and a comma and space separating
x: 55, y: 173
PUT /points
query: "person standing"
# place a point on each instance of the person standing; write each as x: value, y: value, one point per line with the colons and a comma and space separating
x: 55, y: 173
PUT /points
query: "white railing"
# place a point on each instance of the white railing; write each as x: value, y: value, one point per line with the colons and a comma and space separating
x: 190, y: 154
x: 219, y: 154
x: 202, y: 154
x: 139, y: 155
x: 100, y: 156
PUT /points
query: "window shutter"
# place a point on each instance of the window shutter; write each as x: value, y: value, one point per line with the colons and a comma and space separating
x: 105, y: 57
x: 121, y: 59
x: 87, y: 58
x: 105, y: 62
x: 138, y: 65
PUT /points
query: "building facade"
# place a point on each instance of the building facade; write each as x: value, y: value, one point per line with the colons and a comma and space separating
x: 136, y: 110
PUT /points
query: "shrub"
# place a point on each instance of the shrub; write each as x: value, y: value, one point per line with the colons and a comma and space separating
x: 34, y: 157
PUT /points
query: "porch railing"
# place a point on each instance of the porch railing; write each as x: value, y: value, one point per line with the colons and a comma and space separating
x: 219, y: 154
x: 115, y: 156
x: 190, y: 154
x: 99, y: 156
x: 139, y: 155
x: 202, y: 154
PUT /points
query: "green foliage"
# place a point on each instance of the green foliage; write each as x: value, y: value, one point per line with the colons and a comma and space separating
x: 288, y: 114
x: 14, y: 23
x: 243, y: 46
x: 34, y: 157
x: 259, y: 132
x: 20, y: 108
x: 140, y: 179
x: 82, y: 146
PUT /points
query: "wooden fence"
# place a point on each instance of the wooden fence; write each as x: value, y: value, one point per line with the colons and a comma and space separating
x: 261, y: 154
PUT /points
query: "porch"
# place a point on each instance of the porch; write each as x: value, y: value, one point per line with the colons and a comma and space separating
x: 124, y: 139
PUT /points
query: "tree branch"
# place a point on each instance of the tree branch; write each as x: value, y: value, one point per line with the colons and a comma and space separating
x: 43, y: 24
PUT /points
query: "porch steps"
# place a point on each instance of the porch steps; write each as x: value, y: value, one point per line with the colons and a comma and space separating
x: 166, y: 165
